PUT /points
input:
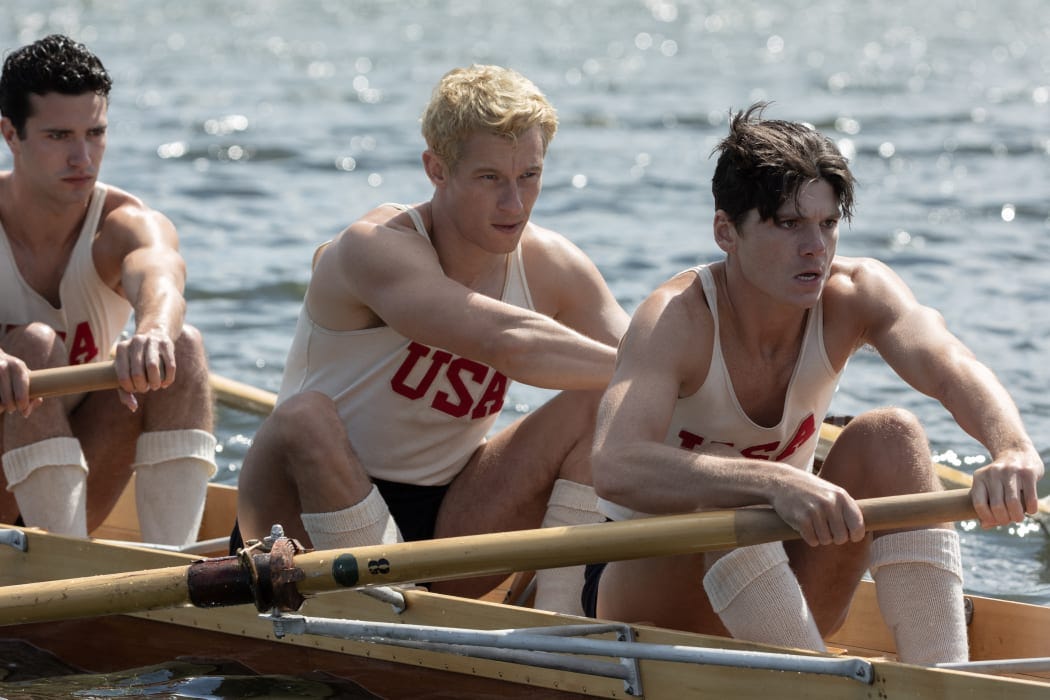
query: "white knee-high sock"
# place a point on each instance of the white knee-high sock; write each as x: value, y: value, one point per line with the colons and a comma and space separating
x: 366, y: 522
x: 172, y: 470
x: 918, y: 581
x: 49, y: 481
x: 757, y: 596
x: 571, y: 503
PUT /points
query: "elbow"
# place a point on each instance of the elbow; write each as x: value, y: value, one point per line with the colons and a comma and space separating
x: 608, y: 476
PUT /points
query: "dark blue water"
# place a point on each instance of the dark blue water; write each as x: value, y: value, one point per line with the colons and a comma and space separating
x: 263, y: 128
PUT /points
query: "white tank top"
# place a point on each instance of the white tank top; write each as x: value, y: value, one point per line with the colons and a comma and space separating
x: 712, y: 415
x: 90, y: 316
x: 414, y: 414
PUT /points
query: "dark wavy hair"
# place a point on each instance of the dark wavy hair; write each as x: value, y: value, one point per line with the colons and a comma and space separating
x: 55, y: 63
x: 763, y: 162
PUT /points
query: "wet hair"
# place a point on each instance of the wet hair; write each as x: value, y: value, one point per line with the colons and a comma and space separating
x: 55, y: 63
x: 488, y: 99
x: 763, y: 162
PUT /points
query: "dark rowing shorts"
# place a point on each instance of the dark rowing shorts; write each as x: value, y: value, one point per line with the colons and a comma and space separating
x: 414, y: 508
x: 592, y: 575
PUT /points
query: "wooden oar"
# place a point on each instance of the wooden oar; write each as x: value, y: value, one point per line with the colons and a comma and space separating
x: 75, y: 379
x: 243, y: 397
x: 226, y: 581
x: 96, y: 376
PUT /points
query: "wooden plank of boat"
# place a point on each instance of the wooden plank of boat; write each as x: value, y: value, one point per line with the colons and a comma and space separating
x: 239, y: 633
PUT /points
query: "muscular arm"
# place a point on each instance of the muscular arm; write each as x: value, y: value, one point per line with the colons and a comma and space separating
x: 137, y: 253
x: 377, y: 274
x: 632, y: 466
x: 917, y: 344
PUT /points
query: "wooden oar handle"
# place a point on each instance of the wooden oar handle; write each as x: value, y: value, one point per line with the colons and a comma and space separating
x: 75, y: 379
x: 886, y: 513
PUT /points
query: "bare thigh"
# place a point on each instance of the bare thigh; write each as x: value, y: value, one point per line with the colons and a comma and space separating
x: 108, y: 432
x: 664, y: 591
x: 506, y: 484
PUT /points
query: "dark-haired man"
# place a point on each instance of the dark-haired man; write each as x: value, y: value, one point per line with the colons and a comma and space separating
x: 77, y: 259
x: 722, y: 382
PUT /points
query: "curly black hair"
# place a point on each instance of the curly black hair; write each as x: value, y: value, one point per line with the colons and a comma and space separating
x: 763, y: 162
x: 55, y: 63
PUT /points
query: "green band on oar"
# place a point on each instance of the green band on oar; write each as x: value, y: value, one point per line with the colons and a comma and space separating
x: 433, y: 560
x: 75, y: 379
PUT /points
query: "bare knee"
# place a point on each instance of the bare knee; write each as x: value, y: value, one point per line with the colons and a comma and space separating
x: 190, y: 357
x: 896, y: 424
x: 36, y: 344
x: 305, y: 418
x: 304, y: 434
x: 882, y: 452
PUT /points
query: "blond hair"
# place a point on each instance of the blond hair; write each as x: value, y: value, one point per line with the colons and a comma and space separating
x: 488, y: 99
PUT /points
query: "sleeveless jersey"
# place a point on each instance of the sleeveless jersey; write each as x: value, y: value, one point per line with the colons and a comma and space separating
x: 713, y: 414
x: 90, y: 316
x: 414, y: 414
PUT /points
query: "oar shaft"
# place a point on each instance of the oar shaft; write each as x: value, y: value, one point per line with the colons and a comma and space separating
x: 136, y: 591
x: 225, y: 581
x: 503, y: 553
x: 75, y: 379
x: 241, y: 396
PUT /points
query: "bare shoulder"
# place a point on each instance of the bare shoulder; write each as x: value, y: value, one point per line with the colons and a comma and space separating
x: 862, y: 296
x: 381, y: 244
x: 674, y: 328
x: 547, y: 249
x: 384, y: 227
x: 860, y: 282
x: 129, y: 221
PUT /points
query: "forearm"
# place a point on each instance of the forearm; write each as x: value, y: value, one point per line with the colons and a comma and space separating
x: 658, y: 479
x: 982, y: 407
x: 160, y: 307
x: 543, y: 353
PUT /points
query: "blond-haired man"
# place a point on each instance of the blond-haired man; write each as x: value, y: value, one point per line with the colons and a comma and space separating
x: 415, y: 321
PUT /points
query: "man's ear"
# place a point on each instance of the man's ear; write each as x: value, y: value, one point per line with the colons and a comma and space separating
x: 435, y: 168
x: 7, y: 128
x: 725, y: 231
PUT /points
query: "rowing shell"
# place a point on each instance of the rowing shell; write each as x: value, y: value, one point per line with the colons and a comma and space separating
x: 998, y: 630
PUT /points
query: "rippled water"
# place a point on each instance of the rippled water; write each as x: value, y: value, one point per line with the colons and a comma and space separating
x: 262, y: 128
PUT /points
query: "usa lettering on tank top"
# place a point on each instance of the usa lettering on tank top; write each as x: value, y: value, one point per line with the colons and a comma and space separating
x: 477, y: 390
x: 777, y: 451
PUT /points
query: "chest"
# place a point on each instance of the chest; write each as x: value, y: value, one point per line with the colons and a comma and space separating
x: 43, y: 267
x: 761, y: 383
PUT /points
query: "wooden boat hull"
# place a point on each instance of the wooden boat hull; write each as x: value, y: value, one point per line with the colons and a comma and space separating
x: 999, y: 629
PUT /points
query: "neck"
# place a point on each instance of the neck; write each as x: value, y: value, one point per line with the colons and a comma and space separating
x: 462, y: 259
x: 761, y: 325
x: 34, y: 221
